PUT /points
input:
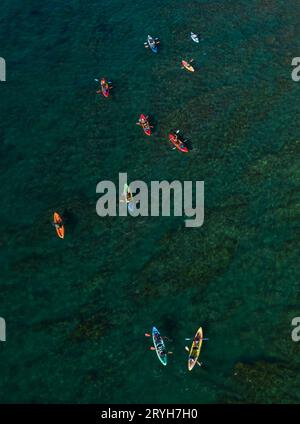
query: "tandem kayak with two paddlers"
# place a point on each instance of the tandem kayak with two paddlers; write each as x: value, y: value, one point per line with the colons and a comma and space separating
x: 144, y: 123
x: 178, y: 142
x: 105, y: 87
x: 152, y: 43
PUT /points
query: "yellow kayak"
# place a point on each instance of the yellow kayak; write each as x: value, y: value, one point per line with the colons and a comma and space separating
x: 195, y: 349
x: 187, y: 66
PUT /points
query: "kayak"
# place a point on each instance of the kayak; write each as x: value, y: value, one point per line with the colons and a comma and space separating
x: 159, y: 346
x: 128, y: 195
x: 152, y: 44
x: 179, y: 145
x: 195, y: 349
x: 194, y: 37
x: 57, y: 220
x: 187, y: 66
x: 105, y: 90
x: 145, y: 125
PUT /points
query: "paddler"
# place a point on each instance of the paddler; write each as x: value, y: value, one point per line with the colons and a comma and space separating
x: 126, y: 198
x: 104, y: 86
x: 129, y: 197
x: 163, y: 352
x: 57, y: 225
x: 142, y: 121
x: 177, y: 141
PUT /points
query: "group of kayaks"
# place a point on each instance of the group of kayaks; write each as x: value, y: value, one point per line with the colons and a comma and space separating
x: 153, y: 43
x: 175, y: 137
x: 162, y: 353
x: 126, y: 197
x: 180, y: 144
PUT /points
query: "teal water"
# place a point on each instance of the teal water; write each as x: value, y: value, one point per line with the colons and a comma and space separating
x: 77, y: 310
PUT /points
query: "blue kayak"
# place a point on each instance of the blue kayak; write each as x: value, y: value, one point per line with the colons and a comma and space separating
x: 152, y: 43
x: 159, y: 346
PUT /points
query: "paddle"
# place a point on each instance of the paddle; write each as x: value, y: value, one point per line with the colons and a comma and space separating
x: 153, y: 348
x: 164, y: 337
x: 97, y: 80
x: 187, y: 349
x: 193, y: 339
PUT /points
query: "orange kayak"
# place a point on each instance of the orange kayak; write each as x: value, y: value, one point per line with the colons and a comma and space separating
x: 58, y: 222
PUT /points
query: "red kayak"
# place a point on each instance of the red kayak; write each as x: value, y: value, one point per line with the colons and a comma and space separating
x: 104, y: 88
x: 144, y: 123
x: 179, y: 144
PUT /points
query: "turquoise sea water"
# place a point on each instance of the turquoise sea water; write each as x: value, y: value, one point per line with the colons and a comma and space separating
x: 77, y: 310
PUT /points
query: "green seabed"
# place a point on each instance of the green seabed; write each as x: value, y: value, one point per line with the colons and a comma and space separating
x: 77, y: 310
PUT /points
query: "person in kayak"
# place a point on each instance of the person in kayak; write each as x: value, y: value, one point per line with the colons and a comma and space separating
x: 104, y: 86
x: 144, y: 123
x: 178, y: 142
x: 58, y: 225
x: 126, y: 198
x: 129, y: 197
